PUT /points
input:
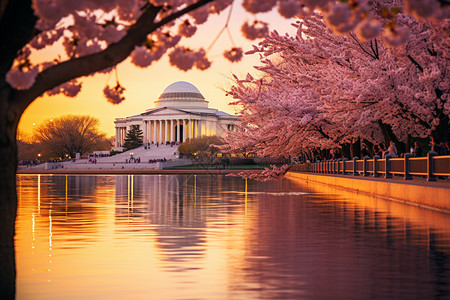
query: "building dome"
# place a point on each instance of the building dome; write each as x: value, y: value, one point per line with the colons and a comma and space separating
x: 181, y: 94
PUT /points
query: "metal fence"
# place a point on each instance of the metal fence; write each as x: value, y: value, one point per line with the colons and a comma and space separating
x: 431, y: 166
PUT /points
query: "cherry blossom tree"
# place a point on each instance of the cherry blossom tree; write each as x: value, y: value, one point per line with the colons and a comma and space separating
x: 96, y: 35
x: 322, y: 90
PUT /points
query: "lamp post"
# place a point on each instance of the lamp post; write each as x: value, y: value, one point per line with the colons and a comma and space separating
x: 39, y: 158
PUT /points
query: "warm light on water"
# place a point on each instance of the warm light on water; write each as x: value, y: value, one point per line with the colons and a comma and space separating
x: 216, y: 237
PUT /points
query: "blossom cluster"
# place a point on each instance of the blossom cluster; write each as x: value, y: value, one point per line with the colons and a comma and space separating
x: 86, y: 27
x: 321, y: 90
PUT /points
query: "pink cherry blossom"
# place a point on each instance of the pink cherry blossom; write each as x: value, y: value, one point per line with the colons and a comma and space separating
x: 368, y: 30
x: 255, y: 30
x: 186, y: 29
x: 202, y: 62
x: 22, y: 80
x: 200, y: 15
x: 234, y: 54
x: 86, y: 27
x: 182, y: 58
x: 396, y: 36
x: 319, y: 90
x: 257, y: 6
x: 114, y: 95
x: 142, y: 57
x: 422, y: 9
x: 288, y: 8
x: 69, y: 89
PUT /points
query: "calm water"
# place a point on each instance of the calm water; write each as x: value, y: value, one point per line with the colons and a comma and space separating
x: 217, y: 237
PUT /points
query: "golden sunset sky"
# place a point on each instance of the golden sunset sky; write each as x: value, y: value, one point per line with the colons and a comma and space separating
x: 143, y: 86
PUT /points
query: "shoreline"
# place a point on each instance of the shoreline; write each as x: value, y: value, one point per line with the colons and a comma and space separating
x: 127, y: 171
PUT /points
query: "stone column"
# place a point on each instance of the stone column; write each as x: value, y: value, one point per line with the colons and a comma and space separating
x: 150, y: 134
x: 165, y: 131
x: 149, y: 130
x: 178, y: 131
x: 199, y: 129
x: 155, y: 135
x: 171, y: 131
x: 160, y: 132
x: 184, y: 130
x: 190, y: 129
x: 144, y: 140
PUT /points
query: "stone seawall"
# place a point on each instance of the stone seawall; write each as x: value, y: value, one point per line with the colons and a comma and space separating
x: 433, y: 195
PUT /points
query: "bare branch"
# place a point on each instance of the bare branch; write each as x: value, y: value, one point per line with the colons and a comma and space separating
x: 362, y: 48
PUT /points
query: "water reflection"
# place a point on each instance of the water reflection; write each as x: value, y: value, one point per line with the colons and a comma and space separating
x: 204, y: 237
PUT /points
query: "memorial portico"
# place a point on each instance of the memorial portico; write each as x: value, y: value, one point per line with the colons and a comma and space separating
x: 181, y: 112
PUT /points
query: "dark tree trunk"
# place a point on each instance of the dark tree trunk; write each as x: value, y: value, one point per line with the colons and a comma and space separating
x: 390, y: 136
x: 442, y: 131
x: 346, y: 149
x: 355, y: 149
x: 369, y: 147
x: 9, y: 119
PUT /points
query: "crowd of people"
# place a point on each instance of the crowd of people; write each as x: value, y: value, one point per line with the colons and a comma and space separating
x: 437, y: 146
x: 171, y: 144
x: 154, y: 161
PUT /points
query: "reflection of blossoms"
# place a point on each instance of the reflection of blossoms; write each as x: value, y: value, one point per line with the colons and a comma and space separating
x: 233, y: 55
x: 274, y: 173
x: 254, y: 31
x: 21, y: 80
x: 114, y: 95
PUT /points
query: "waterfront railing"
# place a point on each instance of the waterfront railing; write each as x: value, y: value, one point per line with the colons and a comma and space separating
x: 431, y: 166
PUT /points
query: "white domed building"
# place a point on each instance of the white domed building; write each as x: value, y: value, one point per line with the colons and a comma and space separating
x: 181, y: 112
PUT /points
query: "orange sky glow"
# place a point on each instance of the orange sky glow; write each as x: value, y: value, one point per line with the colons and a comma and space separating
x: 143, y: 86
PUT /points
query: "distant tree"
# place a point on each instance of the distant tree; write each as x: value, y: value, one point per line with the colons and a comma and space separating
x: 69, y: 135
x: 134, y: 138
x: 203, y: 147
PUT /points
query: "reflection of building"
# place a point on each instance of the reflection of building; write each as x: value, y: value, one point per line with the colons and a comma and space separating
x: 180, y: 112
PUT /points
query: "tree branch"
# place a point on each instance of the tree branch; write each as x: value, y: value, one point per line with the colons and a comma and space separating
x: 111, y: 56
x: 415, y: 63
x: 360, y: 46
